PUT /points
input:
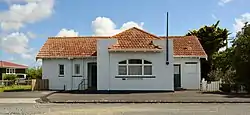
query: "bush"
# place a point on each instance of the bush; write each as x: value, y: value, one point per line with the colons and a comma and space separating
x: 9, y: 76
x: 215, y: 75
x: 34, y: 73
x: 226, y: 88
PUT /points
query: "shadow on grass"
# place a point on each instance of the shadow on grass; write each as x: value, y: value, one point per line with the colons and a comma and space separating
x: 17, y: 90
x: 230, y: 95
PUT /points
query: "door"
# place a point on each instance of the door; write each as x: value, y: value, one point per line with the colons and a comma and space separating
x: 92, y: 75
x: 177, y: 76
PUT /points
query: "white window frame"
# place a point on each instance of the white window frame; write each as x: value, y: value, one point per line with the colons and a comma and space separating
x: 75, y: 69
x: 127, y: 65
x: 61, y: 75
x: 8, y: 71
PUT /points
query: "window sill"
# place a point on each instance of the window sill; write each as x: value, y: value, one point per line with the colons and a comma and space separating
x: 60, y: 75
x: 135, y: 76
x: 77, y: 76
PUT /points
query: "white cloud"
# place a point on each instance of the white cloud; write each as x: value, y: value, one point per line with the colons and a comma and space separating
x: 214, y: 17
x: 67, y: 33
x: 240, y: 22
x: 16, y: 43
x: 31, y: 35
x: 20, y: 1
x: 6, y: 26
x: 103, y: 26
x: 223, y: 2
x: 30, y: 12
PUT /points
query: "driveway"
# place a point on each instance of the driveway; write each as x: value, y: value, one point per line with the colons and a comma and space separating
x: 160, y: 97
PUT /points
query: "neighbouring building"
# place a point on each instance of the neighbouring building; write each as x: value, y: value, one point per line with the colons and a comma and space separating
x: 131, y: 60
x: 12, y: 68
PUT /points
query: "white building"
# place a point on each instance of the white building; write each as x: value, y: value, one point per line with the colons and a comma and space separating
x: 131, y: 60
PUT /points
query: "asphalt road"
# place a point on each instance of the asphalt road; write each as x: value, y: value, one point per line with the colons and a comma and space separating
x: 125, y: 109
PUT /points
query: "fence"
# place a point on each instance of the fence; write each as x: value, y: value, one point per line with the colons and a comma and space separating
x: 40, y: 84
x: 214, y: 86
x: 34, y: 84
x: 210, y: 86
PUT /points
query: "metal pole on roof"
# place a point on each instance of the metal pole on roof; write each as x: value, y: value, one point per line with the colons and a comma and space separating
x: 167, y: 61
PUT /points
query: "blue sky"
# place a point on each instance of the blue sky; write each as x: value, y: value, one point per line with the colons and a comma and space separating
x: 25, y: 25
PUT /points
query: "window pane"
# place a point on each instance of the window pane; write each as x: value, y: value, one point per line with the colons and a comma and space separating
x: 135, y: 70
x: 7, y: 71
x: 123, y: 62
x: 147, y: 70
x: 176, y: 69
x: 61, y: 69
x: 147, y: 62
x: 77, y: 68
x: 11, y: 71
x: 135, y: 61
x: 122, y: 70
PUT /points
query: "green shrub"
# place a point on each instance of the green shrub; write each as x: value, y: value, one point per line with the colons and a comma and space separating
x: 215, y: 75
x: 226, y: 88
x: 9, y: 76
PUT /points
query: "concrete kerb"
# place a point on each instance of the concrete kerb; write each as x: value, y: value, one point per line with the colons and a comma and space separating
x: 44, y: 99
x: 98, y: 102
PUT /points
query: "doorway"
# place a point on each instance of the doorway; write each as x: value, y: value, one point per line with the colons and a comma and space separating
x: 177, y: 76
x: 92, y: 76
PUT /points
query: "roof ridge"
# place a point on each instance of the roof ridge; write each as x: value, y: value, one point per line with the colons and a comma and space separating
x: 62, y: 37
x: 136, y: 29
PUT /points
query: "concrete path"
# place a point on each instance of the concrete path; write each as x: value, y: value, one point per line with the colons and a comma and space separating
x: 22, y: 97
x: 163, y: 97
x: 24, y: 94
x: 18, y: 100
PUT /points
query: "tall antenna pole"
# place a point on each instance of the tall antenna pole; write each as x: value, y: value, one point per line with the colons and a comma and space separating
x: 167, y: 52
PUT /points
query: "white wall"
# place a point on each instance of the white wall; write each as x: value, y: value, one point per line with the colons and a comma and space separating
x: 103, y: 64
x: 108, y: 69
x: 51, y: 71
x: 189, y: 81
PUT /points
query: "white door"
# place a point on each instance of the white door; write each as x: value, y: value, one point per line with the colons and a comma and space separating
x: 190, y: 78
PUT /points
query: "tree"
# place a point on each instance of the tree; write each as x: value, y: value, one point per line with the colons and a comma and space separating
x: 241, y: 60
x: 223, y: 60
x: 212, y: 38
x: 34, y: 73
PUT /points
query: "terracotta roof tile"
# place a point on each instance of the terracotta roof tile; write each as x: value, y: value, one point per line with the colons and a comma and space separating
x: 187, y: 46
x: 6, y: 64
x: 133, y: 38
x: 62, y: 47
x: 134, y: 33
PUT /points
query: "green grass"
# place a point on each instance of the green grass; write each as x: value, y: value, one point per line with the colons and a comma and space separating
x: 15, y: 88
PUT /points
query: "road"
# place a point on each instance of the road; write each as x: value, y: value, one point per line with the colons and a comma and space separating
x: 125, y: 109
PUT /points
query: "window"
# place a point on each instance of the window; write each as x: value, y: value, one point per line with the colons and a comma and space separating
x: 10, y: 70
x: 61, y: 70
x: 135, y: 67
x: 77, y: 69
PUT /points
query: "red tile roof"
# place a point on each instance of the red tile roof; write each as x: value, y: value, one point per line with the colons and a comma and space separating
x: 187, y: 46
x: 5, y: 64
x: 133, y: 38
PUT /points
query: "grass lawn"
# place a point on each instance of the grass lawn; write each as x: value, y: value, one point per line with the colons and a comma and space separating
x: 15, y: 88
